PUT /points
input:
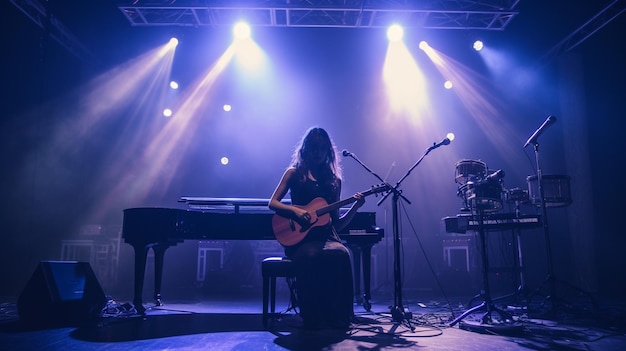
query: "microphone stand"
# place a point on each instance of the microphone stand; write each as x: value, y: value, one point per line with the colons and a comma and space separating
x: 546, y: 228
x: 366, y: 294
x: 551, y: 279
x: 398, y: 313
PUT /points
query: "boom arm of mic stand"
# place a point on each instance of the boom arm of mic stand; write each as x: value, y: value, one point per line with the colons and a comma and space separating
x: 374, y: 174
x: 395, y: 189
x: 415, y: 165
x: 367, y: 168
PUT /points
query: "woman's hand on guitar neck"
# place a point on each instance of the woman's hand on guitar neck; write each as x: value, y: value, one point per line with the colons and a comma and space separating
x: 360, y: 200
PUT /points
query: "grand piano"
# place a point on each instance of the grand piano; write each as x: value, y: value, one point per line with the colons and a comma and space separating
x: 227, y: 219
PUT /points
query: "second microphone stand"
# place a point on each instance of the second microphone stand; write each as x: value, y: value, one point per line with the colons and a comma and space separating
x: 551, y: 280
x: 398, y: 313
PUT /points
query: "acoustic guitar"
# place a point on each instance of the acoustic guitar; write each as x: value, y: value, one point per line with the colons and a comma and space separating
x: 290, y: 230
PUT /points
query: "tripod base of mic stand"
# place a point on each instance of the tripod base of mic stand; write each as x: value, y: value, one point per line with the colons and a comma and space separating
x: 553, y: 302
x: 399, y: 316
x: 493, y: 328
x: 517, y: 299
x: 487, y: 322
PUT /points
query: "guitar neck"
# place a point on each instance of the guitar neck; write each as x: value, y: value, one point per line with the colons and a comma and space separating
x: 338, y: 204
x: 334, y: 206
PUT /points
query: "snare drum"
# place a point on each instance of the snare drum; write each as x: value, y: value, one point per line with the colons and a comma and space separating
x: 469, y: 171
x: 556, y: 190
x: 486, y: 196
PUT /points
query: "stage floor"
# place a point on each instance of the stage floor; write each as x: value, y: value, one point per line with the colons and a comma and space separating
x: 234, y: 323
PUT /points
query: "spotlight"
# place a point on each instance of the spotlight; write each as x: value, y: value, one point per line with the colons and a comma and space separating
x: 242, y: 30
x: 423, y: 45
x: 167, y: 112
x: 447, y: 84
x: 450, y: 136
x: 224, y: 160
x: 395, y: 33
x: 478, y: 45
x: 173, y: 42
x: 174, y: 85
x: 227, y: 107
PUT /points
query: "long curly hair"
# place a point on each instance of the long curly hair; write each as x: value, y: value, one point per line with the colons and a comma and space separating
x: 331, y: 170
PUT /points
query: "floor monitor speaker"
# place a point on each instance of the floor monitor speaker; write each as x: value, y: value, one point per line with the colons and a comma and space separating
x: 61, y: 293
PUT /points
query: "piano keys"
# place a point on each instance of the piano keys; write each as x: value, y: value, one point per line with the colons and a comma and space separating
x: 497, y: 221
x: 231, y: 219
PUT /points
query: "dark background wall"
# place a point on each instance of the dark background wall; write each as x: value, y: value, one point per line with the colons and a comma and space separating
x: 59, y: 174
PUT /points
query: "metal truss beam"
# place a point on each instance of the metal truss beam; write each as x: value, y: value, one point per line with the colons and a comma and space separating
x: 431, y: 14
x: 53, y: 27
x: 578, y: 36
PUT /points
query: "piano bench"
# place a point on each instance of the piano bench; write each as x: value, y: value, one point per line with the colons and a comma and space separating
x: 271, y: 268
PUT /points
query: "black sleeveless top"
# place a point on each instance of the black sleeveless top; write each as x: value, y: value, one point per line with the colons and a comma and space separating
x: 303, y: 191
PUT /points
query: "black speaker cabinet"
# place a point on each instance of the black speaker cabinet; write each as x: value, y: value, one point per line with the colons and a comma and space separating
x: 61, y: 293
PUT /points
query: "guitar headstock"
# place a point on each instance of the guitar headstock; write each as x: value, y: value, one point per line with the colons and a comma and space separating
x: 376, y: 189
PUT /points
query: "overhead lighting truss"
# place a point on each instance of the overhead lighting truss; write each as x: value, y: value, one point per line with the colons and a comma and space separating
x: 430, y: 14
x: 589, y: 28
x: 53, y: 27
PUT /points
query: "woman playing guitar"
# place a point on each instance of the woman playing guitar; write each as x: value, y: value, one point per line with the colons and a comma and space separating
x: 323, y: 269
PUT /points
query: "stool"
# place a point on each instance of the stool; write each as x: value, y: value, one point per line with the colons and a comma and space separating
x: 271, y: 268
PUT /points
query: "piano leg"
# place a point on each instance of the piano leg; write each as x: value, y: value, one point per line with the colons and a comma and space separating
x: 361, y: 253
x: 159, y: 255
x: 366, y: 252
x: 141, y: 254
x: 356, y: 264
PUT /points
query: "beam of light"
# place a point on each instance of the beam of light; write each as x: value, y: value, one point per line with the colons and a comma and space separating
x: 169, y: 47
x: 147, y: 162
x: 471, y: 88
x: 404, y: 82
x: 163, y: 155
x: 113, y: 99
x: 498, y: 64
x: 510, y: 74
x: 131, y: 84
x: 478, y: 45
x: 241, y: 31
x: 249, y: 55
x: 395, y: 33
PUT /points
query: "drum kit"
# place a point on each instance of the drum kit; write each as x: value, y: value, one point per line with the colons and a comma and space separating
x: 483, y: 193
x: 481, y: 188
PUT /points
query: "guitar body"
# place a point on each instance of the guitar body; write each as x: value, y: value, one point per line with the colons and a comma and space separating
x: 289, y: 231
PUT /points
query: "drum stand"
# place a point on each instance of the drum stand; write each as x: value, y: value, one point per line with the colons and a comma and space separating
x: 519, y: 263
x: 487, y: 305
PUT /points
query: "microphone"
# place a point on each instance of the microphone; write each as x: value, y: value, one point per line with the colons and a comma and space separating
x: 533, y: 138
x: 495, y: 176
x: 445, y: 141
x: 346, y: 153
